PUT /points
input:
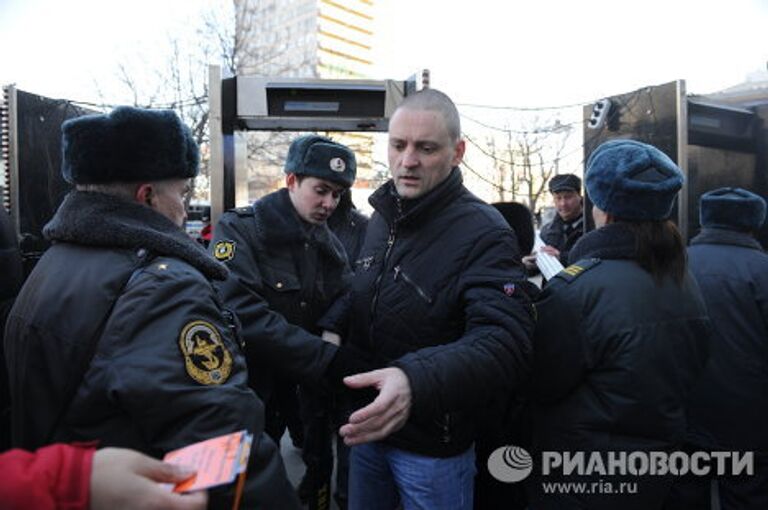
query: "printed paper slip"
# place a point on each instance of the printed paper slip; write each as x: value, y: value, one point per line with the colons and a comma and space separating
x: 218, y: 461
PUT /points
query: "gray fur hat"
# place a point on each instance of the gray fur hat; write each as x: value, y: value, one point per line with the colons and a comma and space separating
x: 128, y: 145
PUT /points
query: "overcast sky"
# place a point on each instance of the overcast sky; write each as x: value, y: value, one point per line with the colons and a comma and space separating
x: 516, y: 53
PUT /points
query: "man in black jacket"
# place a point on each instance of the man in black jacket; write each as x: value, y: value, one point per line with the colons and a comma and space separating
x: 437, y: 296
x: 560, y: 234
x: 118, y: 336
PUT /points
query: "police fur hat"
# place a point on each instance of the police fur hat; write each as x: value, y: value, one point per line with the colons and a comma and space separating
x: 128, y: 145
x: 632, y: 180
x: 565, y: 182
x: 321, y: 157
x: 733, y: 209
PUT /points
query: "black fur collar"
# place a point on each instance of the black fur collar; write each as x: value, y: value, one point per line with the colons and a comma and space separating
x: 613, y: 241
x: 278, y: 223
x: 97, y: 219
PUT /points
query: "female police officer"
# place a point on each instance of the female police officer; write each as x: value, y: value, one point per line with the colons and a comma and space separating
x: 621, y: 335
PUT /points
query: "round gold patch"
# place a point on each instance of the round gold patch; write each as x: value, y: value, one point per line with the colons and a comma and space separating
x: 206, y: 358
x: 224, y: 250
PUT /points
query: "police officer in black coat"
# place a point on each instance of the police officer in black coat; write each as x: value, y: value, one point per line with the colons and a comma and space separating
x: 118, y: 335
x: 621, y: 335
x: 282, y: 254
x: 729, y: 406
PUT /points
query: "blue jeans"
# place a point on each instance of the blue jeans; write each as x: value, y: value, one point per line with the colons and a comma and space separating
x: 381, y: 477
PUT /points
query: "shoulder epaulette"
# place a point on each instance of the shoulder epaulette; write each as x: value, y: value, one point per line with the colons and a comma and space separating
x: 573, y: 271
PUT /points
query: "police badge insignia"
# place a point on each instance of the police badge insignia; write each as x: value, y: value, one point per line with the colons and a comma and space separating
x: 337, y: 165
x: 206, y: 358
x: 224, y: 250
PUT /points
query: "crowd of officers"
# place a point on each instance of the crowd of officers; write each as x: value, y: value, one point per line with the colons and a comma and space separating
x: 414, y: 337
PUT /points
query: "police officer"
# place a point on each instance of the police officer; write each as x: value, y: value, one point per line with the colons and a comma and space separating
x: 118, y: 335
x: 280, y: 250
x: 622, y: 333
x: 729, y: 406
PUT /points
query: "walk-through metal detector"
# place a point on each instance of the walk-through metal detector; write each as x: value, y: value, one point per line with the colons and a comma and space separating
x: 715, y: 144
x: 30, y: 153
x: 258, y: 103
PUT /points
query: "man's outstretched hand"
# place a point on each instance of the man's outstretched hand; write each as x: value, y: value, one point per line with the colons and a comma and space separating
x: 386, y: 414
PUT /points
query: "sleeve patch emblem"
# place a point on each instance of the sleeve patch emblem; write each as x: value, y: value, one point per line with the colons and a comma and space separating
x: 206, y: 358
x: 224, y: 250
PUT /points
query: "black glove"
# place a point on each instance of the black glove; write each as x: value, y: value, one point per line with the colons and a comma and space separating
x: 348, y: 361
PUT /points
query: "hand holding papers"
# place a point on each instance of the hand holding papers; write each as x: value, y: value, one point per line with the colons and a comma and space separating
x: 218, y: 461
x: 547, y: 264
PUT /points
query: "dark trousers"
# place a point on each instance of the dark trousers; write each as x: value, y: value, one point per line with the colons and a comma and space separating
x: 317, y: 452
x: 281, y: 411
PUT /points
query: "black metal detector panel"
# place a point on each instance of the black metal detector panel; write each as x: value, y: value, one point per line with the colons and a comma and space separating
x: 36, y: 185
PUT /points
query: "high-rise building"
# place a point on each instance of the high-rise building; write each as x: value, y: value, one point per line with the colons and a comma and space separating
x: 305, y: 39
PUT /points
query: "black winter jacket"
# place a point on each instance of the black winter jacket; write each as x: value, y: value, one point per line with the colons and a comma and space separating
x: 729, y: 409
x: 436, y: 293
x: 166, y: 369
x: 284, y: 276
x: 553, y: 234
x: 616, y: 356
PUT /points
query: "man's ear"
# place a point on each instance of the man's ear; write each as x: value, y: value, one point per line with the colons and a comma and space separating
x: 144, y: 194
x: 290, y: 181
x: 458, y: 153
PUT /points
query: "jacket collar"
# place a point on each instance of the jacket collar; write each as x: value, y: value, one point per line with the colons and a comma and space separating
x: 613, y: 241
x: 277, y: 222
x: 725, y: 236
x: 97, y: 219
x: 395, y: 210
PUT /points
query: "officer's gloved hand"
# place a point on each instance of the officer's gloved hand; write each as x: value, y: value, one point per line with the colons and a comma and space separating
x: 350, y: 360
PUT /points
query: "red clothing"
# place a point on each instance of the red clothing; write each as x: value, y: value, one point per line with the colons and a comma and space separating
x: 54, y: 477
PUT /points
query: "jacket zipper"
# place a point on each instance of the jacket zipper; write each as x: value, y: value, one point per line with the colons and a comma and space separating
x: 399, y: 272
x: 377, y: 283
x: 447, y: 429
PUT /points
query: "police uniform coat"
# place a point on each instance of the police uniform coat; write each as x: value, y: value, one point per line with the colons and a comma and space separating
x: 118, y: 336
x: 349, y: 225
x: 616, y: 356
x: 729, y: 408
x: 284, y: 276
x: 436, y: 294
